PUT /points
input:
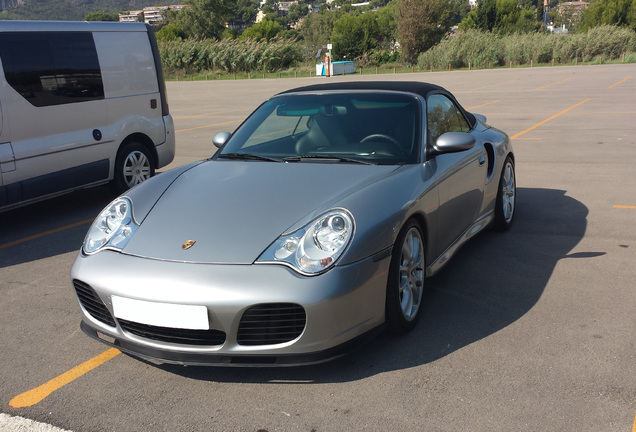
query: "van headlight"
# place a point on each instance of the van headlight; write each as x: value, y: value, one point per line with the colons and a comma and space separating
x: 112, y: 228
x: 316, y: 247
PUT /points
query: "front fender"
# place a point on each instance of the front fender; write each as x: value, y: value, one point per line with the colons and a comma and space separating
x: 145, y: 195
x: 381, y: 210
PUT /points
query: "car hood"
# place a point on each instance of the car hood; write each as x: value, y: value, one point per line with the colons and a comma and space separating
x: 233, y: 210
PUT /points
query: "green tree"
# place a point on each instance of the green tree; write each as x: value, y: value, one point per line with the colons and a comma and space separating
x: 246, y: 10
x: 354, y: 35
x: 502, y: 16
x: 461, y: 9
x: 102, y: 16
x: 486, y: 15
x: 387, y: 24
x: 368, y: 37
x: 377, y: 4
x: 263, y: 30
x: 296, y: 13
x: 170, y: 32
x: 291, y: 34
x: 271, y: 8
x: 421, y: 25
x: 230, y: 34
x: 512, y: 18
x: 317, y: 27
x: 621, y: 13
x: 205, y: 18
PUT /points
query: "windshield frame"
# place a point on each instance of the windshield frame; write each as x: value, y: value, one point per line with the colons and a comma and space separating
x: 375, y: 148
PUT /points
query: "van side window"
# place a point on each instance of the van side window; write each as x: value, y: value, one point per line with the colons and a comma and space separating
x: 52, y: 68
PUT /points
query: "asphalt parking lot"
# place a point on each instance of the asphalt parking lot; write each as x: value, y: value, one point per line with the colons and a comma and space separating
x: 531, y: 330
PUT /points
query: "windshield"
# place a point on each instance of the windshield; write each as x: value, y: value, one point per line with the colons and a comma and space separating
x: 378, y: 128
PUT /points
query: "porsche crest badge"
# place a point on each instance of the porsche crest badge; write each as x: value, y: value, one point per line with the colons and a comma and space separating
x: 187, y: 244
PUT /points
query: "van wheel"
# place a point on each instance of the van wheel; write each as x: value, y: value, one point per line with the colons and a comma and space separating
x: 132, y: 166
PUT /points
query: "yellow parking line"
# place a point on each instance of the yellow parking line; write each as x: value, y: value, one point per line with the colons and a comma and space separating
x: 547, y: 120
x: 550, y: 85
x: 620, y: 82
x: 625, y: 207
x: 208, y: 126
x: 37, y: 394
x: 479, y: 106
x: 53, y: 231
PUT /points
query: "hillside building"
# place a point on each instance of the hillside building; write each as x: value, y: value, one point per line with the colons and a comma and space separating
x: 149, y: 15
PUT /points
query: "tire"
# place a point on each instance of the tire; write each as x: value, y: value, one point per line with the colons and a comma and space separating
x: 405, y: 286
x: 506, y: 197
x: 133, y: 165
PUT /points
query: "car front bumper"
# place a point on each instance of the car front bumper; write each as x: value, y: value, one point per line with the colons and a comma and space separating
x: 341, y: 307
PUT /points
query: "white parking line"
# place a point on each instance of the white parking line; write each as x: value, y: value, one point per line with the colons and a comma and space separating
x: 20, y: 424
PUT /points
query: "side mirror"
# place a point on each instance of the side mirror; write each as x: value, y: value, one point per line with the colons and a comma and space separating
x: 481, y: 118
x: 453, y: 142
x: 221, y: 138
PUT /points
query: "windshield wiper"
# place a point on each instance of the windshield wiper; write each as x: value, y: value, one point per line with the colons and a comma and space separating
x: 247, y: 156
x: 327, y: 157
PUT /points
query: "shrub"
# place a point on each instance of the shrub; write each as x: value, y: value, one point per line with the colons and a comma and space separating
x: 229, y: 55
x: 481, y: 49
x: 473, y: 47
x: 608, y: 41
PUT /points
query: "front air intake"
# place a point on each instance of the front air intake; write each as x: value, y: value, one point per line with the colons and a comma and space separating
x: 271, y: 323
x: 174, y: 335
x: 91, y: 302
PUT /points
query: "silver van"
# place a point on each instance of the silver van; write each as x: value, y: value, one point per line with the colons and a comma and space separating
x: 81, y: 104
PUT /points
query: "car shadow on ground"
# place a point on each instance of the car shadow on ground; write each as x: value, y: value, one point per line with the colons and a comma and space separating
x: 49, y: 228
x: 493, y: 281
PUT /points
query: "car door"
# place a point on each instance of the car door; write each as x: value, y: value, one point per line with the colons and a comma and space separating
x: 460, y: 176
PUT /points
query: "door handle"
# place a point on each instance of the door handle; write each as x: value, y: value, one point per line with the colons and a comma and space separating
x: 482, y: 160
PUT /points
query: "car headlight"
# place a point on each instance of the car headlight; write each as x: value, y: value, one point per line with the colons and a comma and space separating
x: 316, y: 247
x: 112, y: 228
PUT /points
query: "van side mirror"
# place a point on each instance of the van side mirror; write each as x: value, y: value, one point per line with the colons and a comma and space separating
x: 453, y: 142
x: 221, y: 138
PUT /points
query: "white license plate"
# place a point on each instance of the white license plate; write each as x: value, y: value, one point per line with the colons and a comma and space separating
x: 191, y: 317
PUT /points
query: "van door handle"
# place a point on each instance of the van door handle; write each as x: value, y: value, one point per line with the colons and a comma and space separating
x: 482, y: 160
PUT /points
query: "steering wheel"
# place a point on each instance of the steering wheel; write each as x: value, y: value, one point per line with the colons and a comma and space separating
x: 383, y: 138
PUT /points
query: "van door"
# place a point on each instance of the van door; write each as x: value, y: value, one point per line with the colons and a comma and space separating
x: 7, y: 160
x: 53, y: 102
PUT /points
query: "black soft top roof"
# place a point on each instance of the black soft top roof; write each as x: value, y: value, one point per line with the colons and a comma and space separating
x: 419, y: 88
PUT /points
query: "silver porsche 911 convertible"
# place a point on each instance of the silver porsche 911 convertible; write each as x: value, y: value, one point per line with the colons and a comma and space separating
x: 313, y: 226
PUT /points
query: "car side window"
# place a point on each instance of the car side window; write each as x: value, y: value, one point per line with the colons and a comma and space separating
x: 443, y: 116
